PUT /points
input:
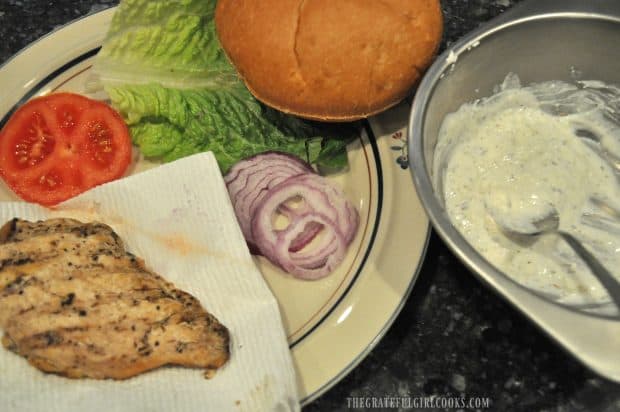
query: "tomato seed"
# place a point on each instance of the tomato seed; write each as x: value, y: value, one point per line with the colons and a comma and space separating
x: 67, y: 120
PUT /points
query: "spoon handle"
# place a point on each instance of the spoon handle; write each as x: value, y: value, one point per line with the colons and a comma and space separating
x: 609, y: 282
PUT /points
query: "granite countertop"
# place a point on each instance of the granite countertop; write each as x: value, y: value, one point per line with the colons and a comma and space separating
x: 453, y: 337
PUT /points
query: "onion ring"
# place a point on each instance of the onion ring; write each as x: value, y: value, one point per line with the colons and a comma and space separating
x: 274, y: 188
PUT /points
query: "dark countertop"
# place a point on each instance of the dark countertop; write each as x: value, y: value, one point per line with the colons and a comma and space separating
x: 453, y: 337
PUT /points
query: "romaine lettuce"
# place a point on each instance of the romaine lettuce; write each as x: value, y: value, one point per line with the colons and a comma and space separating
x: 165, y: 71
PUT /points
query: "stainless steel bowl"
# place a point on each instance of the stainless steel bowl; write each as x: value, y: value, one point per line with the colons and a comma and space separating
x: 539, y: 40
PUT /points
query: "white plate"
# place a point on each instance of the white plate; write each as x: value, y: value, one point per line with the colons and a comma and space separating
x: 333, y: 323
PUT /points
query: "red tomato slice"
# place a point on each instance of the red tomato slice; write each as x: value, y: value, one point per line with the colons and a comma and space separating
x: 57, y: 146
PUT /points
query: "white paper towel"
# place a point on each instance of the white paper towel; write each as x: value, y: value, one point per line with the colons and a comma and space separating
x: 179, y: 219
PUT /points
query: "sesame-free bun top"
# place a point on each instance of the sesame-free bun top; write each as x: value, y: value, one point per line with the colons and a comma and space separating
x: 330, y: 60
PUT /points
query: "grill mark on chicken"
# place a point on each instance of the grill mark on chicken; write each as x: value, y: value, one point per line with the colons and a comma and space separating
x: 15, y: 262
x: 17, y: 230
x: 149, y: 303
x: 74, y: 302
x: 97, y: 287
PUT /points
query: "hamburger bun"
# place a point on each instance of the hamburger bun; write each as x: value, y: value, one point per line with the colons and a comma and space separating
x: 330, y: 60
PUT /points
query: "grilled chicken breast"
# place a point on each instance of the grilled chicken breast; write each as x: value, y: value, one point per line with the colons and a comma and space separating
x: 74, y: 302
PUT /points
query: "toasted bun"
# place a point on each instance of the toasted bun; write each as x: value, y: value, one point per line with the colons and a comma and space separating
x: 330, y: 60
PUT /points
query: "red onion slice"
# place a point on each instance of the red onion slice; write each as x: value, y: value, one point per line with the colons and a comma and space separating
x: 320, y: 221
x: 266, y: 158
x: 309, y: 233
x: 246, y: 201
x: 324, y: 261
x: 315, y: 255
x: 314, y: 199
x: 249, y: 180
x: 319, y: 196
x: 292, y: 248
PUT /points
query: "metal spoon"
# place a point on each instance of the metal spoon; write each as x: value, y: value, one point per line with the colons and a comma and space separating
x: 548, y: 222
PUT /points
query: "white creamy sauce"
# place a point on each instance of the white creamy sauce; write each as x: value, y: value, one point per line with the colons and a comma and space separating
x: 523, y: 153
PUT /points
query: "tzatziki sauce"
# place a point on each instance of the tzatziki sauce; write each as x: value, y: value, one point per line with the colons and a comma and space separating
x: 523, y: 153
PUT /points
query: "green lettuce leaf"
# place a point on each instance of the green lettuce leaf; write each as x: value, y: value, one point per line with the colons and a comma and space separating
x: 165, y: 71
